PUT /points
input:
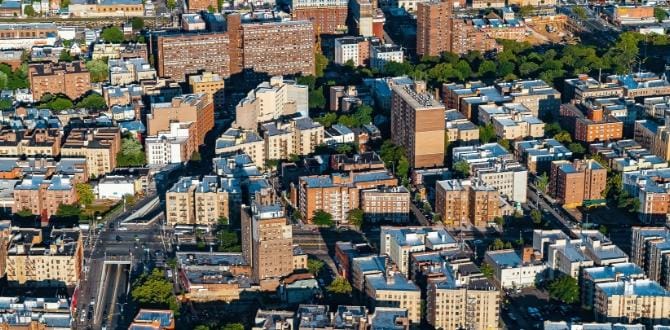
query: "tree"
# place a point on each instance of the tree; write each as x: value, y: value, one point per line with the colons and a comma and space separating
x: 29, y: 11
x: 563, y: 137
x: 233, y: 326
x: 98, y: 69
x: 577, y: 148
x: 462, y: 168
x: 93, y: 101
x: 500, y: 221
x: 315, y: 266
x: 222, y: 221
x: 65, y: 56
x: 195, y: 156
x: 344, y: 148
x: 355, y: 218
x: 542, y: 183
x: 536, y: 216
x: 487, y: 270
x: 6, y: 104
x: 660, y: 14
x: 25, y: 213
x: 340, y: 285
x: 171, y: 4
x: 112, y: 34
x: 487, y: 133
x: 316, y: 99
x: 565, y: 289
x: 580, y: 12
x: 505, y: 143
x: 67, y: 211
x: 56, y: 103
x: 153, y: 290
x: 219, y: 5
x: 499, y: 244
x: 327, y: 119
x: 322, y: 218
x: 228, y: 241
x: 85, y: 193
x: 137, y: 23
x: 131, y: 153
x: 64, y: 3
x: 526, y: 10
x: 320, y: 64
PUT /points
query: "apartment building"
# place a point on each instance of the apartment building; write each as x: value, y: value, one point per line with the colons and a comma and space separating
x: 584, y: 87
x: 650, y: 250
x: 196, y: 6
x: 269, y: 101
x: 651, y: 189
x: 537, y: 155
x: 509, y: 178
x: 99, y: 146
x: 595, y: 126
x: 27, y: 35
x: 382, y: 54
x: 337, y: 193
x: 471, y: 305
x: 267, y: 241
x: 195, y: 108
x: 417, y: 124
x: 69, y: 78
x: 119, y: 51
x: 247, y: 141
x: 107, y: 8
x: 386, y: 204
x: 459, y: 129
x: 42, y: 196
x: 434, y: 21
x: 364, y: 161
x: 328, y: 17
x: 32, y: 142
x: 53, y: 260
x: 466, y: 202
x: 590, y: 276
x: 210, y: 84
x: 641, y: 84
x: 536, y: 95
x: 393, y: 289
x: 511, y: 121
x: 632, y: 300
x: 174, y: 146
x: 573, y: 183
x: 350, y: 49
x: 514, y: 270
x: 202, y: 202
x: 178, y: 55
x: 127, y: 71
x: 399, y: 243
x: 467, y: 35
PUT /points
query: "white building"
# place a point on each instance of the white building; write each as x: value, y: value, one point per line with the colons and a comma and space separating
x: 351, y: 49
x: 338, y: 134
x: 115, y: 187
x: 400, y: 242
x: 169, y: 147
x: 271, y: 100
x: 510, y: 270
x: 385, y: 53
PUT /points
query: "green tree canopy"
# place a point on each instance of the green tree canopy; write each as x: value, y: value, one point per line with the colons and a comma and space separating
x: 93, y: 101
x: 660, y: 14
x: 29, y: 11
x: 536, y: 216
x: 462, y: 169
x: 542, y: 182
x: 487, y: 270
x: 487, y: 133
x: 355, y: 218
x: 137, y: 23
x: 85, y: 193
x: 340, y: 286
x: 233, y: 326
x: 153, y: 290
x: 112, y: 34
x: 67, y: 211
x: 322, y: 218
x: 131, y: 153
x: 56, y: 103
x: 499, y: 244
x: 565, y: 289
x: 315, y: 266
x: 98, y: 69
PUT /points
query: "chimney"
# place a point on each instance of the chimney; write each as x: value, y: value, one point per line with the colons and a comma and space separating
x: 527, y: 254
x: 419, y: 86
x: 596, y: 114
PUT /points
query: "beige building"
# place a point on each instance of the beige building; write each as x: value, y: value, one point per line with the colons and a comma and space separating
x: 35, y: 142
x: 631, y: 301
x: 269, y: 101
x: 53, y: 260
x: 417, y: 124
x: 459, y: 128
x: 195, y: 108
x: 99, y: 146
x: 475, y: 305
x: 466, y: 202
x: 210, y: 84
x: 512, y: 121
x: 202, y: 202
x: 107, y: 9
x: 43, y: 196
x: 249, y: 142
x: 393, y: 289
x: 386, y: 204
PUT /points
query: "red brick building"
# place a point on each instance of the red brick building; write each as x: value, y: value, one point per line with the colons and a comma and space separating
x: 71, y: 79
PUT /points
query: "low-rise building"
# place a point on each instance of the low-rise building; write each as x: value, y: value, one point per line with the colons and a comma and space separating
x: 69, y: 78
x: 269, y: 101
x: 577, y: 182
x: 386, y: 204
x: 597, y: 125
x: 394, y: 290
x: 211, y: 84
x: 651, y: 189
x: 202, y: 202
x: 473, y: 305
x: 42, y: 196
x: 127, y: 71
x: 511, y: 270
x: 629, y: 300
x: 355, y: 50
x: 99, y: 146
x: 382, y: 54
x: 398, y: 243
x: 214, y: 276
x: 511, y: 121
x: 107, y: 8
x: 36, y: 313
x: 466, y: 202
x: 153, y: 319
x: 591, y: 276
x: 459, y: 129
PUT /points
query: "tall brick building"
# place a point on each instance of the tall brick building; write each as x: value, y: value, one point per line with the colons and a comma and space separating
x: 182, y: 54
x: 326, y: 19
x: 186, y: 108
x: 99, y: 146
x: 272, y: 47
x: 573, y: 183
x: 466, y: 202
x: 71, y: 79
x: 434, y: 27
x: 417, y: 124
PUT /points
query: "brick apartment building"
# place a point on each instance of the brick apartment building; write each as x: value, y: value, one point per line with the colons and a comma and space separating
x: 595, y: 126
x: 71, y: 79
x: 327, y: 19
x: 245, y: 45
x: 267, y: 242
x: 196, y: 6
x: 49, y: 261
x: 386, y: 204
x: 417, y: 124
x: 179, y: 55
x: 202, y: 202
x: 34, y: 142
x: 572, y: 183
x: 211, y: 84
x: 338, y: 193
x: 434, y: 27
x: 99, y: 146
x: 195, y: 108
x: 465, y: 202
x: 42, y: 196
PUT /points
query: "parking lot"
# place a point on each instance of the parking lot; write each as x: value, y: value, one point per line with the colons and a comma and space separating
x: 528, y: 309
